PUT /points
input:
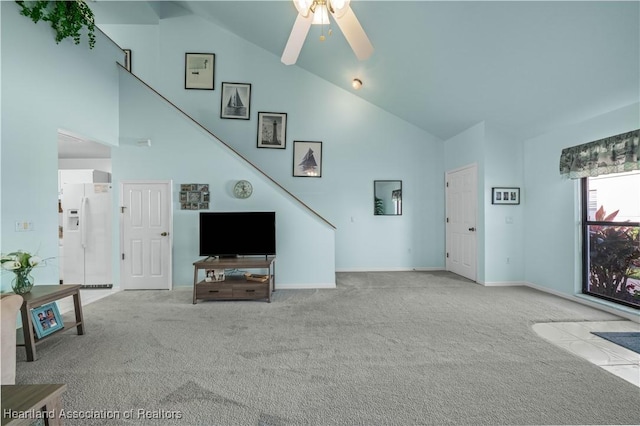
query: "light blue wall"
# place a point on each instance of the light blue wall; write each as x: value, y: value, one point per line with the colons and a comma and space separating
x: 46, y: 87
x: 551, y: 211
x: 183, y: 152
x: 499, y: 160
x: 504, y: 240
x: 361, y: 143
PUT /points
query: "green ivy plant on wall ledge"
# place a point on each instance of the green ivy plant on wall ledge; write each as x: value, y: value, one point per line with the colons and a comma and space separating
x: 67, y: 18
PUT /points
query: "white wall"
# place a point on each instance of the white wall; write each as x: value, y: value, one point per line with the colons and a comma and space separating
x: 103, y: 164
x: 46, y: 87
x: 361, y: 143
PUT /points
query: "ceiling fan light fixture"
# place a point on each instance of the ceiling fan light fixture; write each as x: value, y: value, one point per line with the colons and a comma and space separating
x: 356, y: 83
x: 320, y: 14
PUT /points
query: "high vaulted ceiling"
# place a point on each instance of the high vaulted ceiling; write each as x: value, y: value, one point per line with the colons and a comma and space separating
x: 525, y: 67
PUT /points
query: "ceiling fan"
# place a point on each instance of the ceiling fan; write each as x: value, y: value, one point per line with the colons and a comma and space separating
x: 315, y: 12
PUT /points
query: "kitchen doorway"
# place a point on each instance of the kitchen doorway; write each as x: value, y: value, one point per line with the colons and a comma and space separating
x: 85, y: 216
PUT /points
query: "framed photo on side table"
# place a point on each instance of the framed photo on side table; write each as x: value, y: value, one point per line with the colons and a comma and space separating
x: 235, y: 100
x: 46, y: 319
x: 307, y: 159
x: 272, y: 130
x: 199, y: 71
x: 502, y: 195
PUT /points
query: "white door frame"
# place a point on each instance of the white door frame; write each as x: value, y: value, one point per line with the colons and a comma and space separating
x: 169, y: 184
x: 474, y: 275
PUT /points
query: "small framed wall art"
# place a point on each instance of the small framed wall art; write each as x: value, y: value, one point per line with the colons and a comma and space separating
x: 272, y: 130
x: 127, y: 59
x: 46, y: 319
x: 235, y: 100
x: 505, y: 195
x: 307, y: 159
x: 194, y: 196
x: 199, y: 71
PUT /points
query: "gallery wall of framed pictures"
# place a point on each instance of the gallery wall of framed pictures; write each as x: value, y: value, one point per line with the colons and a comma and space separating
x: 235, y: 103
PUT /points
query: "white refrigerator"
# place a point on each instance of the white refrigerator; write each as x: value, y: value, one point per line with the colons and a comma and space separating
x: 86, y: 234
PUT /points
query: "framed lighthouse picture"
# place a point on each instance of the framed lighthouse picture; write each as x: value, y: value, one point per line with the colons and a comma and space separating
x: 272, y: 130
x: 236, y: 100
x: 307, y: 159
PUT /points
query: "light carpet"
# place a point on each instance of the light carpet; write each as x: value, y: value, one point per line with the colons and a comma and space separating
x: 399, y: 348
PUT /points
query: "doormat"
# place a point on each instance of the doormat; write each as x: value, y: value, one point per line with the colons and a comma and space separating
x: 98, y: 286
x: 627, y: 339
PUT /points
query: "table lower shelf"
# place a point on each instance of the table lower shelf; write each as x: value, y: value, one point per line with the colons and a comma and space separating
x: 67, y: 326
x: 233, y: 288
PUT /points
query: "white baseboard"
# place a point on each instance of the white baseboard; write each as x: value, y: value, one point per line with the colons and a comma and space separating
x: 593, y: 302
x: 314, y: 286
x: 503, y: 283
x: 426, y: 268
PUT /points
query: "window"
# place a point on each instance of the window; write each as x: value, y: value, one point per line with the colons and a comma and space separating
x: 611, y: 240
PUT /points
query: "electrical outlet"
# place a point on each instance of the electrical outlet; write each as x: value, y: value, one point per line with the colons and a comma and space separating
x: 24, y: 225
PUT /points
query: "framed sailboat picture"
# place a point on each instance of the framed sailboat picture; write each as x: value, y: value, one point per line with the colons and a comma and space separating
x: 236, y: 100
x: 272, y: 130
x: 307, y: 159
x: 199, y: 71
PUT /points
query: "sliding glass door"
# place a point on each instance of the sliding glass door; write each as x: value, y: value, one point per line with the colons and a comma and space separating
x: 611, y: 237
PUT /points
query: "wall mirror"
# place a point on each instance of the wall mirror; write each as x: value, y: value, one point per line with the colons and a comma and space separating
x: 387, y: 197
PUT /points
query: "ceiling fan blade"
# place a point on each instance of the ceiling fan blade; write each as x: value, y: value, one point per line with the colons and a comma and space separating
x: 355, y: 35
x: 296, y: 39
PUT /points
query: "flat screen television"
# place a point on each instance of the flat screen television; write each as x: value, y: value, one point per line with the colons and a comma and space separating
x: 229, y: 234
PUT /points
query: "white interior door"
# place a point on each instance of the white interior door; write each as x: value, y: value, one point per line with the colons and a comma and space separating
x: 461, y: 205
x: 146, y: 228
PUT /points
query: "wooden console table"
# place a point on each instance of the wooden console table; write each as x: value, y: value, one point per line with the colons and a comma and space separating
x: 24, y: 404
x: 234, y: 287
x: 38, y: 296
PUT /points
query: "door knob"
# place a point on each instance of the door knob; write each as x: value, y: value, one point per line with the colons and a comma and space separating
x: 472, y: 229
x: 164, y: 234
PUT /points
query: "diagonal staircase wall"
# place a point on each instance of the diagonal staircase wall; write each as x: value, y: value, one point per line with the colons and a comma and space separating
x: 184, y: 151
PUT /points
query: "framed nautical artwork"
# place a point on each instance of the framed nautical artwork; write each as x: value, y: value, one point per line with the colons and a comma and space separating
x: 199, y: 71
x: 272, y: 130
x: 307, y: 159
x: 235, y: 100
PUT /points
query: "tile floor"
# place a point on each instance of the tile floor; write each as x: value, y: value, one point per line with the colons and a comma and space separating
x: 86, y: 296
x: 576, y: 338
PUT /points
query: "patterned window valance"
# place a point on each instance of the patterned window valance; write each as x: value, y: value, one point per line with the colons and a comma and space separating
x: 616, y: 154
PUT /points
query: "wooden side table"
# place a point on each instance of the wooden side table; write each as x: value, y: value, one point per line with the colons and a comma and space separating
x: 24, y: 404
x: 38, y: 296
x: 234, y: 287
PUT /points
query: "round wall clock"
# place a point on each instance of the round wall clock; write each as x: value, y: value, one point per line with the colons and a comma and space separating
x: 243, y: 189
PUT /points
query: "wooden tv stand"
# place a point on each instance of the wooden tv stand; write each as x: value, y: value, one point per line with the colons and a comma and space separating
x: 234, y: 287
